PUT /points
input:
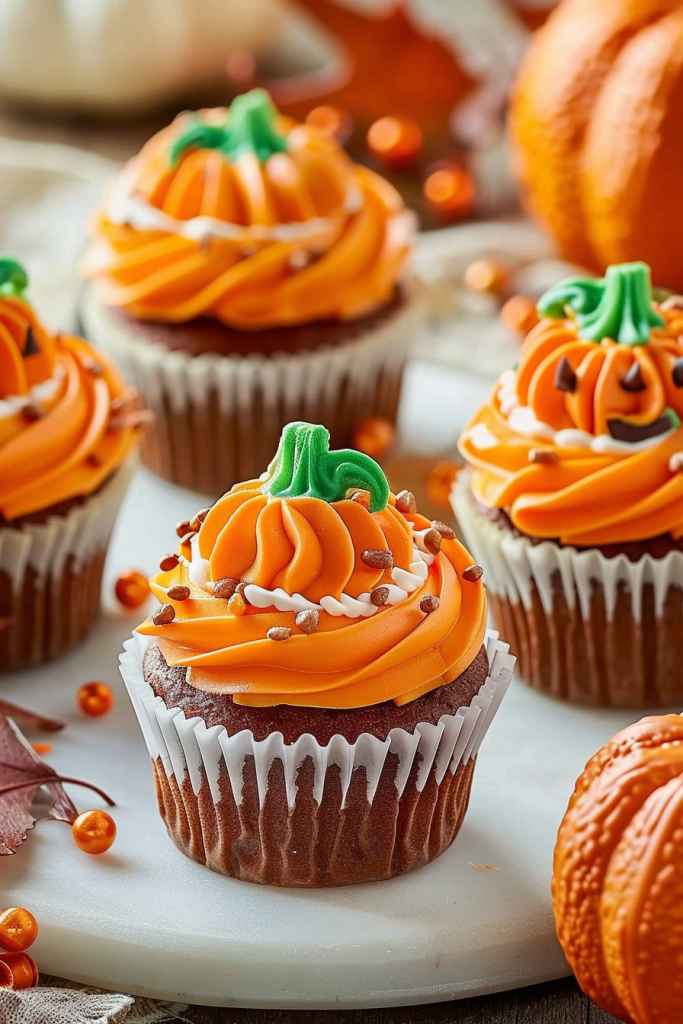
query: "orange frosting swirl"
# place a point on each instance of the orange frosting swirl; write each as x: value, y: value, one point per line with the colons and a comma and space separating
x: 584, y: 443
x: 305, y: 556
x: 65, y: 424
x: 254, y: 239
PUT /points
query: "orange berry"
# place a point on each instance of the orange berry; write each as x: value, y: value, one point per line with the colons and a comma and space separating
x: 450, y: 191
x: 95, y: 699
x: 17, y: 971
x: 18, y: 929
x: 94, y: 831
x: 395, y: 140
x: 42, y: 748
x: 440, y: 482
x: 331, y: 122
x: 132, y: 588
x: 237, y: 605
x: 486, y: 275
x: 519, y: 314
x: 374, y: 436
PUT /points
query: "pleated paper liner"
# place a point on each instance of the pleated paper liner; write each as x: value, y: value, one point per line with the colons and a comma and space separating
x: 310, y: 815
x: 219, y: 418
x: 51, y: 576
x: 585, y: 628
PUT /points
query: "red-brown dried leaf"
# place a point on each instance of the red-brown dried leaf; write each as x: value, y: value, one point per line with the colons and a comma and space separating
x: 19, y: 766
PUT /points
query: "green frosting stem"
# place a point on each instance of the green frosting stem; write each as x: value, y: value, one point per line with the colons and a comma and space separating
x: 13, y: 278
x: 304, y: 467
x: 618, y: 306
x: 250, y: 128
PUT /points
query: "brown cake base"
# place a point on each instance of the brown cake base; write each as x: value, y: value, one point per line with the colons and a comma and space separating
x: 331, y: 839
x: 48, y: 616
x: 602, y: 651
x: 221, y: 397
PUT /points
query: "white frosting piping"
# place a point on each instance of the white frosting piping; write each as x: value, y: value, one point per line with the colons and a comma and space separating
x: 522, y: 420
x: 39, y: 393
x: 405, y: 583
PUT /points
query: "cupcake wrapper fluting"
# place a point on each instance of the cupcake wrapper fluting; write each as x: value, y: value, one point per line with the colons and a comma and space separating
x: 51, y: 576
x: 218, y: 419
x: 585, y: 627
x: 310, y: 815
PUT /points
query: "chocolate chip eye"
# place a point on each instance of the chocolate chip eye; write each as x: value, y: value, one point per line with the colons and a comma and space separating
x: 565, y: 378
x: 633, y: 381
x: 677, y: 373
x: 31, y: 348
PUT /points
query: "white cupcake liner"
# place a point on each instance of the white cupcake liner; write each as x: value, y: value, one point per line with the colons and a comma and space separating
x: 219, y: 418
x: 188, y: 748
x: 307, y: 814
x: 514, y: 566
x: 51, y: 574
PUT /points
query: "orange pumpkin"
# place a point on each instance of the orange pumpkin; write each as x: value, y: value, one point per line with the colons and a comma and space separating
x: 618, y: 874
x: 290, y: 533
x: 27, y: 351
x: 595, y: 131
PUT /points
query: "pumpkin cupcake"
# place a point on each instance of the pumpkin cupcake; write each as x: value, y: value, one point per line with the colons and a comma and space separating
x: 318, y: 679
x: 575, y: 500
x: 67, y: 431
x: 244, y: 272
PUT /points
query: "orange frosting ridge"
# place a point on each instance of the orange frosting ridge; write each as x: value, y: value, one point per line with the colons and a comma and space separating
x: 298, y: 554
x: 563, y: 448
x: 59, y: 438
x: 303, y: 235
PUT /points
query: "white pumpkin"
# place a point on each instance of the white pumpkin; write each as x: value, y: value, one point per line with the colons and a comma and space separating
x: 125, y: 55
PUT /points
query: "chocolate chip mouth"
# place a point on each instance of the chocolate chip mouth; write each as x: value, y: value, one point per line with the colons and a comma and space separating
x: 630, y: 433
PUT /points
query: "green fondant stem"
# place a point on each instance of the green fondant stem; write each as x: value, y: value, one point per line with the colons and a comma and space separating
x: 250, y: 128
x: 304, y: 467
x: 13, y: 277
x: 618, y: 306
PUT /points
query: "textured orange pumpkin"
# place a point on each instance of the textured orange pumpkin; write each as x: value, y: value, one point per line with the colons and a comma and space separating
x: 618, y: 874
x: 596, y: 136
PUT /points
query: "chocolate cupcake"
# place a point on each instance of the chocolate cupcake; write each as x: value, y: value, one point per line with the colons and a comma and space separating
x: 244, y: 272
x: 317, y: 681
x: 575, y: 500
x: 67, y: 431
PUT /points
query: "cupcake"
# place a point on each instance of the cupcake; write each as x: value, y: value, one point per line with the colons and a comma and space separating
x: 244, y: 273
x: 575, y: 500
x: 67, y: 431
x: 317, y: 681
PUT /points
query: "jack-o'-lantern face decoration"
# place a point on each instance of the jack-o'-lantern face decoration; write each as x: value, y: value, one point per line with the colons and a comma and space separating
x: 607, y: 361
x: 27, y: 350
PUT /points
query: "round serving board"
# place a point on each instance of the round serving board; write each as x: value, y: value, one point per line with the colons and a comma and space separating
x: 146, y: 920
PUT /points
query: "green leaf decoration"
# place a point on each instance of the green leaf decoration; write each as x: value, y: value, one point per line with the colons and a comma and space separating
x: 13, y: 278
x: 304, y: 467
x: 618, y: 306
x: 250, y: 128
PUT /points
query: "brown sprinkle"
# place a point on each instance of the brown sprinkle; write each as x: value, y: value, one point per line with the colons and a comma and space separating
x: 94, y: 460
x: 178, y: 593
x: 676, y: 462
x: 168, y: 562
x: 446, y: 532
x: 225, y: 588
x: 472, y: 573
x: 183, y: 527
x: 429, y: 603
x: 432, y: 541
x: 307, y: 621
x: 677, y: 373
x: 377, y: 559
x: 405, y: 501
x: 33, y: 412
x: 542, y: 455
x: 163, y: 615
x: 236, y: 605
x: 379, y: 596
x: 203, y: 513
x: 187, y: 537
x: 279, y: 633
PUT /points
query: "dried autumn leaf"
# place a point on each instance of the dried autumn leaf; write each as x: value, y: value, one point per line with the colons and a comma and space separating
x: 22, y: 774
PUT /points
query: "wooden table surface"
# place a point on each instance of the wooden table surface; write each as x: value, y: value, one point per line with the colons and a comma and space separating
x: 554, y: 1003
x: 559, y: 1002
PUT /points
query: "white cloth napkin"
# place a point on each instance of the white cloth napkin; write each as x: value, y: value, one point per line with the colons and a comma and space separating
x: 46, y: 1005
